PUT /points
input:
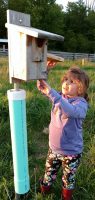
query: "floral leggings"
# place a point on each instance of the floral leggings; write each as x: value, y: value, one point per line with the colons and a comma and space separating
x: 69, y: 165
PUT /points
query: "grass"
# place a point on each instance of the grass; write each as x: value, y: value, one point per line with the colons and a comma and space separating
x: 38, y: 117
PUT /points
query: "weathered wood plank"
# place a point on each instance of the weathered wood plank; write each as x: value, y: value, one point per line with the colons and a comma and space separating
x: 18, y: 18
x: 37, y: 33
x: 55, y: 58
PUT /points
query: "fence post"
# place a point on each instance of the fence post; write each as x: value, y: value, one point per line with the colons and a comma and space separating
x: 83, y: 61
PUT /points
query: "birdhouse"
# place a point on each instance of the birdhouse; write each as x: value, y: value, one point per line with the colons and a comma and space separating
x: 27, y: 48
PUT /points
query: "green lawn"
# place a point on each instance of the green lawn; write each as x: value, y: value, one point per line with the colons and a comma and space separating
x: 38, y: 116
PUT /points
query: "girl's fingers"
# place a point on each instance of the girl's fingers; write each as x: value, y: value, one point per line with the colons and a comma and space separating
x: 43, y: 86
x: 51, y: 63
x: 38, y: 84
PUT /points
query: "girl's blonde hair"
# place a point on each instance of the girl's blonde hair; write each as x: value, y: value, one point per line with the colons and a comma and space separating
x: 82, y: 78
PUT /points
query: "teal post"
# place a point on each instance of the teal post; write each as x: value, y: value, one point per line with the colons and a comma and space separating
x: 17, y: 111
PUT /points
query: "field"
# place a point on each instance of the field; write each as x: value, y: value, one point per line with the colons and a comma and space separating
x: 38, y: 117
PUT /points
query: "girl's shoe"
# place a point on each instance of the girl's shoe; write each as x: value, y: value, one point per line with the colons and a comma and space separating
x: 66, y: 194
x: 45, y: 189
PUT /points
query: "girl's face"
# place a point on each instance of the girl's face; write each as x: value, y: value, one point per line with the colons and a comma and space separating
x: 70, y: 86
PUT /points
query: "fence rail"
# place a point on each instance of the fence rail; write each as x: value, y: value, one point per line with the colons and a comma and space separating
x: 74, y: 56
x: 3, y: 52
x: 65, y: 55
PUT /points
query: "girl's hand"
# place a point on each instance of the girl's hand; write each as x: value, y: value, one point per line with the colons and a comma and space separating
x: 43, y: 87
x: 51, y: 64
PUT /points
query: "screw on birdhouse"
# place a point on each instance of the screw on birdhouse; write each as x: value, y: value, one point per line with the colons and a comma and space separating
x: 20, y: 20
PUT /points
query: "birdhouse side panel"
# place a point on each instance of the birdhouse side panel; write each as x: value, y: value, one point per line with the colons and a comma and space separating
x: 17, y: 55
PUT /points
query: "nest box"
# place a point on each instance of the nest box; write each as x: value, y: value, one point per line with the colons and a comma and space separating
x: 27, y: 48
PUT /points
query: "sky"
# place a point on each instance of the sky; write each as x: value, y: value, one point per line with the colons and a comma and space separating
x: 64, y: 2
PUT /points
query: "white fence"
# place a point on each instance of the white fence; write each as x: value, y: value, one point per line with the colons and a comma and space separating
x: 74, y: 56
x: 3, y: 51
x: 3, y: 47
x: 65, y: 55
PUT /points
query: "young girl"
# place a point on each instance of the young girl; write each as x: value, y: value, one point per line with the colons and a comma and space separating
x: 65, y: 130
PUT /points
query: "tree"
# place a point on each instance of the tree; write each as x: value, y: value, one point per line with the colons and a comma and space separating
x: 70, y: 42
x: 81, y: 22
x: 76, y: 17
x: 82, y: 43
x: 76, y: 24
x: 3, y: 8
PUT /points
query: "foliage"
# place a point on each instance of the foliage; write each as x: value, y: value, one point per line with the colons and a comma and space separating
x: 3, y: 7
x: 79, y: 21
x: 76, y: 24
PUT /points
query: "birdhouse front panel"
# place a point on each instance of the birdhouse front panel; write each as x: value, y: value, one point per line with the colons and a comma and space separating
x: 36, y: 58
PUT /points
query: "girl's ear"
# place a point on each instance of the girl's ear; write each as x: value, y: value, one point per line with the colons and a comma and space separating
x: 80, y: 89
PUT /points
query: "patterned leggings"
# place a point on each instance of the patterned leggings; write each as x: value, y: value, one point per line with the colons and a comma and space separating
x: 69, y: 165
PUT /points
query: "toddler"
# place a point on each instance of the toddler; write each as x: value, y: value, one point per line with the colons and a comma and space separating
x: 68, y: 112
